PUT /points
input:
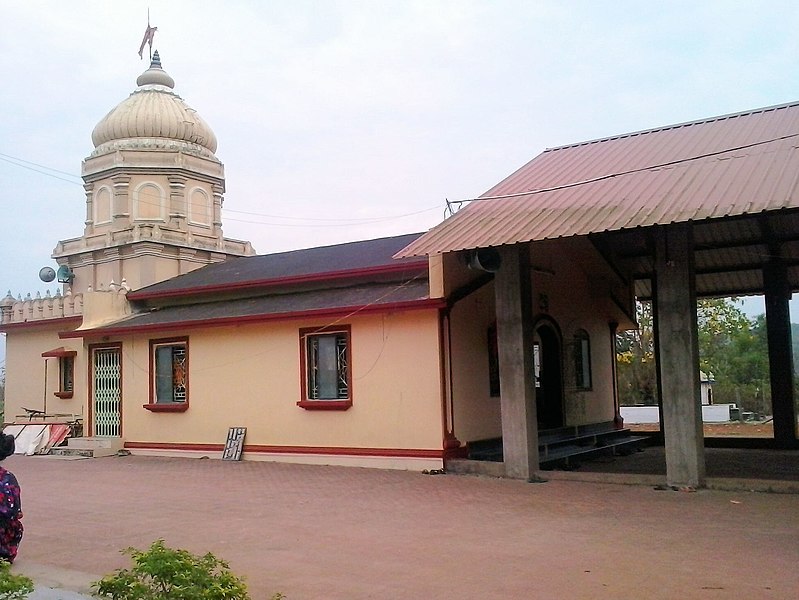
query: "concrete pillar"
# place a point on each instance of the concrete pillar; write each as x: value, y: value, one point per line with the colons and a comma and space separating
x: 513, y: 294
x: 219, y: 200
x: 780, y: 353
x: 678, y: 355
x: 177, y: 201
x: 120, y: 207
x: 89, y: 222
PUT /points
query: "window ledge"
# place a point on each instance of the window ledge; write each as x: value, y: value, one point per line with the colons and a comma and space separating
x: 63, y: 395
x: 325, y: 404
x: 168, y: 407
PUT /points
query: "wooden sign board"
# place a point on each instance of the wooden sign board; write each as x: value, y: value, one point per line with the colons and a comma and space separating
x: 234, y: 443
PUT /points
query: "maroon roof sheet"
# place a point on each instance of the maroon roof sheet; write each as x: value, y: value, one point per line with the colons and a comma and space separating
x: 325, y: 262
x: 736, y: 164
x: 356, y: 299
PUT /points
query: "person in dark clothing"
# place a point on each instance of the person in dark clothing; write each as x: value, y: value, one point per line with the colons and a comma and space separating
x: 10, y: 505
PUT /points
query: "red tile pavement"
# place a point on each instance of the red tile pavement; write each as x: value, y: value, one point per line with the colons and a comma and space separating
x: 346, y: 533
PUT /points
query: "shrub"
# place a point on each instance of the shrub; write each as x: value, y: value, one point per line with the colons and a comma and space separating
x: 12, y: 586
x: 163, y: 573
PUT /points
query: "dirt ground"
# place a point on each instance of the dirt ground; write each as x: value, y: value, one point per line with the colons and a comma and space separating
x: 731, y: 429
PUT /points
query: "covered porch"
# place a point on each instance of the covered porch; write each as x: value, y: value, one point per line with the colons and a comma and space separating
x: 702, y: 209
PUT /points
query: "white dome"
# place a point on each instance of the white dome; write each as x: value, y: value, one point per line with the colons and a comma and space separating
x: 154, y: 117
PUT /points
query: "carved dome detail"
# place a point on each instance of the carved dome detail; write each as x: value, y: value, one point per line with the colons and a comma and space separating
x: 154, y: 117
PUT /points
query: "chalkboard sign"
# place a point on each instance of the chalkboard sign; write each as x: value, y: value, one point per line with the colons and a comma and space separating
x: 235, y: 443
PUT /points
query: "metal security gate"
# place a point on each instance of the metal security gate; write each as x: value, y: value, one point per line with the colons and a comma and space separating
x: 107, y: 391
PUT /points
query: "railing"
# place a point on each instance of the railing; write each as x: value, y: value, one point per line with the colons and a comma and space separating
x: 21, y: 310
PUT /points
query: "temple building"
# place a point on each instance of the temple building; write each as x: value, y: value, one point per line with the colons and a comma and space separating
x: 489, y: 340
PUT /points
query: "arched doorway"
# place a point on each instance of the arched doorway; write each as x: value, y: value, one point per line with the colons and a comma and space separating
x: 548, y: 374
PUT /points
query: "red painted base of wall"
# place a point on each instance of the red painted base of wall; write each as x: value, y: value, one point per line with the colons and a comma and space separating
x: 318, y: 450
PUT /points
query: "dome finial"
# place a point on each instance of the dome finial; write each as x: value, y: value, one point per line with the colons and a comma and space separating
x: 156, y: 74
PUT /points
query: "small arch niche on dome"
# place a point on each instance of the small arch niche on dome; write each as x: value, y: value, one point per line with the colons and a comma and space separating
x: 101, y: 208
x: 199, y: 205
x: 150, y: 202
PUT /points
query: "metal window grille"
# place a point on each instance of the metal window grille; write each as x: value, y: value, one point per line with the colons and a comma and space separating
x: 67, y: 366
x: 106, y: 392
x: 327, y: 367
x: 582, y: 360
x: 171, y: 376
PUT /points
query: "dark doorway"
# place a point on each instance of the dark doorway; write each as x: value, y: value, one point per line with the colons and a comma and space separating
x: 549, y: 377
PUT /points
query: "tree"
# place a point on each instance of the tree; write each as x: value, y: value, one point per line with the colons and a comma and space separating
x: 635, y: 355
x: 732, y: 350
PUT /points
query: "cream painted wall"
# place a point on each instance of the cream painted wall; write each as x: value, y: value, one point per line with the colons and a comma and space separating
x: 562, y: 292
x: 476, y: 414
x: 249, y: 376
x: 139, y: 266
x: 25, y: 373
x: 573, y: 306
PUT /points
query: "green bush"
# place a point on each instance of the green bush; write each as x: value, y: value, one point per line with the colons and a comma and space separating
x: 13, y: 587
x: 163, y: 573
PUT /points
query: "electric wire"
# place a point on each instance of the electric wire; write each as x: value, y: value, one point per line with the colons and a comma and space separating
x: 149, y: 199
x: 328, y: 326
x: 622, y: 173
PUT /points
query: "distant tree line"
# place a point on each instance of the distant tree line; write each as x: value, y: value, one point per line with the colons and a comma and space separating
x: 733, y: 351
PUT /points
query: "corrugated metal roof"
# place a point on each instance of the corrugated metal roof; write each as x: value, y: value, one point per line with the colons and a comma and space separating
x: 736, y: 164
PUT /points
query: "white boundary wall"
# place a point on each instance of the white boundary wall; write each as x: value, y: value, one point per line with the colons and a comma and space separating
x: 711, y: 413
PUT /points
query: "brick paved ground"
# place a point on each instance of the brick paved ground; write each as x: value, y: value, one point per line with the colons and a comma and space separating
x: 344, y: 533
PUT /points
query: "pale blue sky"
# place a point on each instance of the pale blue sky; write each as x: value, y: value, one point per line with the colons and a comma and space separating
x: 364, y: 111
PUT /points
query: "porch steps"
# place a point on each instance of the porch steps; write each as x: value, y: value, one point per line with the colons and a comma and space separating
x: 562, y: 448
x: 89, y: 447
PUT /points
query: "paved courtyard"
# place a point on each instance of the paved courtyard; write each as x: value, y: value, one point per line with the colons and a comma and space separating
x: 344, y: 533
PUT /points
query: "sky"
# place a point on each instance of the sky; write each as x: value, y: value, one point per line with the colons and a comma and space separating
x: 346, y: 120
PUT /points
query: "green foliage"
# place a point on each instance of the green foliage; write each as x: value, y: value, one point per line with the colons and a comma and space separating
x: 163, y: 573
x: 635, y: 354
x: 732, y: 350
x: 12, y: 586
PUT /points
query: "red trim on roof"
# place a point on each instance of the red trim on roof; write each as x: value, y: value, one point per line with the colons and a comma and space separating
x: 323, y: 450
x: 429, y: 303
x: 59, y: 352
x: 280, y: 281
x: 41, y: 323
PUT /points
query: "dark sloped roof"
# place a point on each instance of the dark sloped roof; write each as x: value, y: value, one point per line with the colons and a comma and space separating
x: 322, y: 263
x: 357, y: 299
x: 738, y: 164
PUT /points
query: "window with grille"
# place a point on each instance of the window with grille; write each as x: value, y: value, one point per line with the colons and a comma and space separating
x: 66, y: 371
x: 66, y: 368
x: 493, y: 362
x: 582, y: 359
x: 325, y: 363
x: 169, y: 374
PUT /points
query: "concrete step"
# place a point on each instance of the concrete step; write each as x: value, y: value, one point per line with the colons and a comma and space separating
x: 94, y: 447
x: 66, y: 451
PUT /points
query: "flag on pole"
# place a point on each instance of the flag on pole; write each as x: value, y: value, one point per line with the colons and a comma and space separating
x: 149, y: 33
